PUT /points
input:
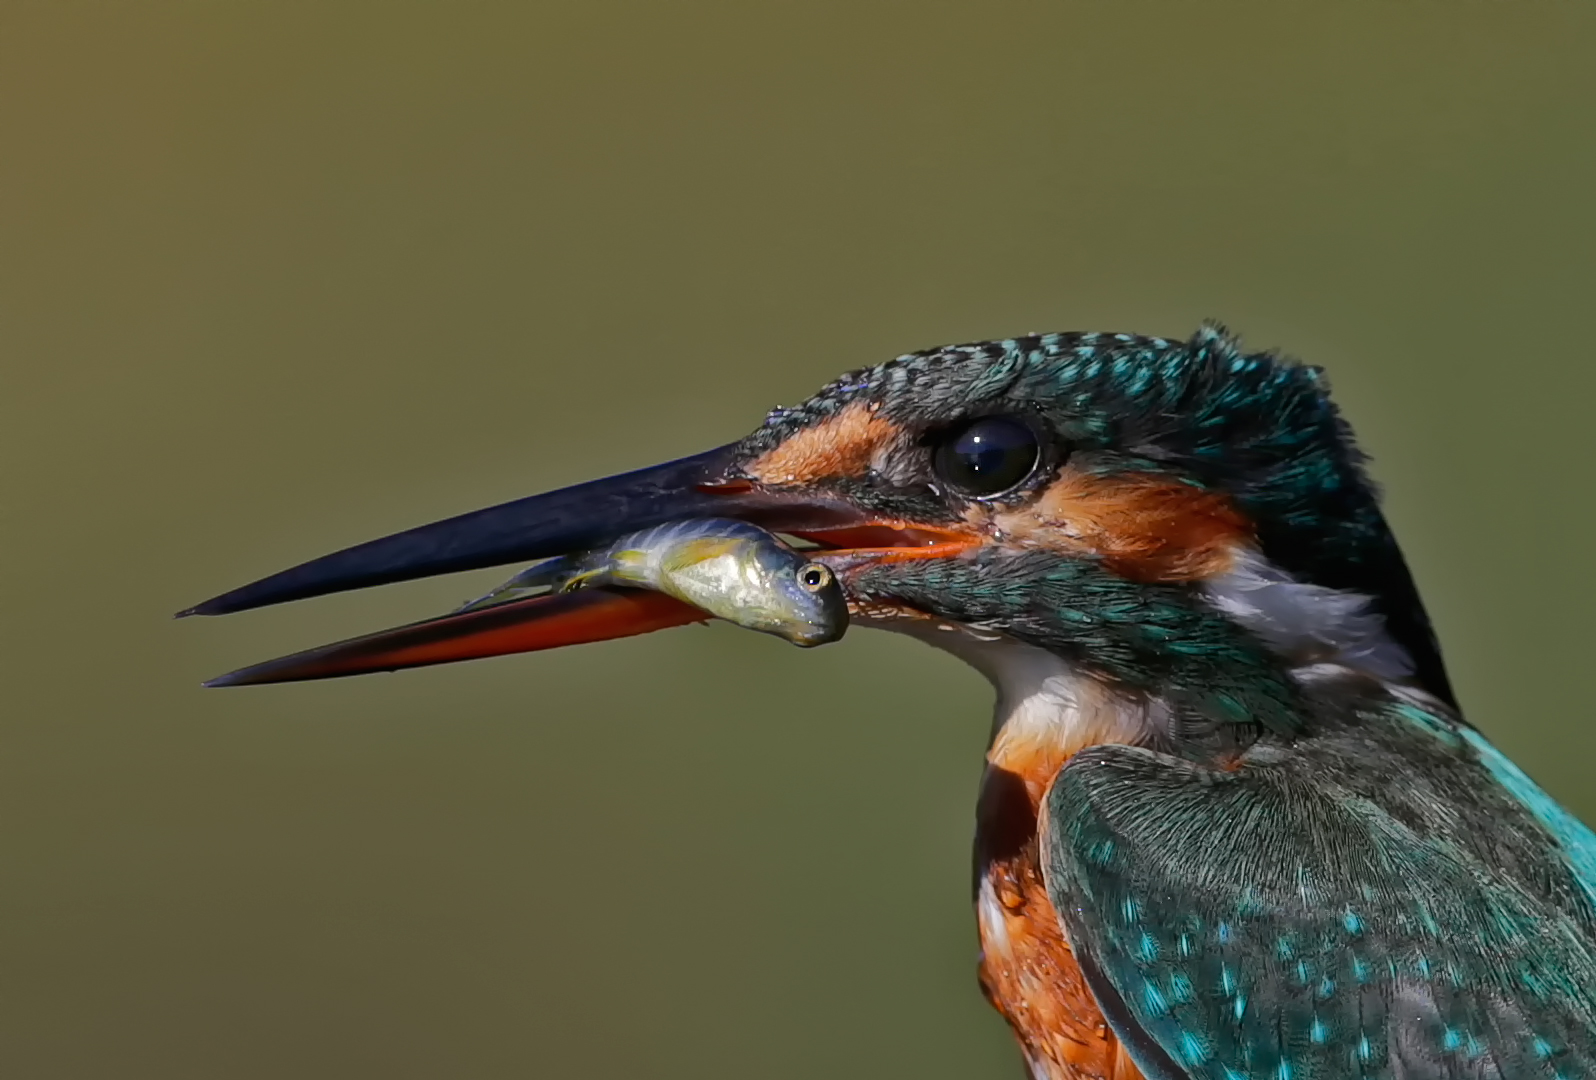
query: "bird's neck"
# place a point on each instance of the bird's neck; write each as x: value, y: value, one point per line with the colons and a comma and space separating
x: 1049, y: 708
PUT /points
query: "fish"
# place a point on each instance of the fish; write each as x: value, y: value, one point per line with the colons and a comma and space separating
x: 729, y: 569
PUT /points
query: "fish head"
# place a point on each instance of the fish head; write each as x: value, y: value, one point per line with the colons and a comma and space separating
x: 747, y: 576
x: 783, y: 592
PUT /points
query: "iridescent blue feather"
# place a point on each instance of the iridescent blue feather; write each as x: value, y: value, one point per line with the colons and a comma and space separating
x: 1385, y: 898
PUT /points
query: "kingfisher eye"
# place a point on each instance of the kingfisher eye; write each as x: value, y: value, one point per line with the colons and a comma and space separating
x: 986, y: 457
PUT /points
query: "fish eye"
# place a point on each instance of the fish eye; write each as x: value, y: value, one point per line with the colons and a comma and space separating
x: 986, y: 457
x: 814, y: 576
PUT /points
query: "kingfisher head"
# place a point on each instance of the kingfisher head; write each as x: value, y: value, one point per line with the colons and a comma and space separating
x: 1181, y: 526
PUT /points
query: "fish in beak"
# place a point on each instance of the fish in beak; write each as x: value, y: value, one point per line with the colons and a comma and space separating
x: 718, y: 483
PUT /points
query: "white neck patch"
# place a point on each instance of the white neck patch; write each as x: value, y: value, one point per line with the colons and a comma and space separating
x: 1310, y: 625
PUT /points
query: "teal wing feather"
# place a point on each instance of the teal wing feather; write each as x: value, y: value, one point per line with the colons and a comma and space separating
x: 1390, y: 898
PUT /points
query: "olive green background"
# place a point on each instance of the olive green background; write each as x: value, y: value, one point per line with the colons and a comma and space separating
x: 278, y: 277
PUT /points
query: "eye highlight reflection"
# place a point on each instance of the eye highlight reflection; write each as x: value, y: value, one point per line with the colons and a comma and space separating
x: 986, y: 457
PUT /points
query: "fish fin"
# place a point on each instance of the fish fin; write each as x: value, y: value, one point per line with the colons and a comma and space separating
x: 547, y: 576
x: 584, y: 579
x: 702, y: 549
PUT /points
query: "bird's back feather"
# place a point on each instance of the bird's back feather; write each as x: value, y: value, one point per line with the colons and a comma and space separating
x: 1384, y: 898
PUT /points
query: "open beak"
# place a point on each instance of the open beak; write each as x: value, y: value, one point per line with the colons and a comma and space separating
x: 542, y: 526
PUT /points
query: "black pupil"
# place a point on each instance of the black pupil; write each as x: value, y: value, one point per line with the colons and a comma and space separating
x: 987, y: 457
x: 811, y: 577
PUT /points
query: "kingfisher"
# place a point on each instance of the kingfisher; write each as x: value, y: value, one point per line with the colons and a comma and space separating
x: 1232, y: 824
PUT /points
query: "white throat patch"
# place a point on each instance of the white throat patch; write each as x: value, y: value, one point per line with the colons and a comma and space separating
x: 1046, y: 710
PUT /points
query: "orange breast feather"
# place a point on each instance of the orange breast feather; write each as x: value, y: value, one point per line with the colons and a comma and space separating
x: 1028, y: 970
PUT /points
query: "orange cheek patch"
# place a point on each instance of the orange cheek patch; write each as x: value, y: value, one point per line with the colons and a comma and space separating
x: 1145, y: 527
x: 844, y: 445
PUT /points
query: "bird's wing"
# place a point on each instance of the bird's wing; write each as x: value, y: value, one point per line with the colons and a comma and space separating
x: 1269, y: 924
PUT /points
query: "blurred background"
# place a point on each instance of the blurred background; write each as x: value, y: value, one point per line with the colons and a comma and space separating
x: 279, y: 277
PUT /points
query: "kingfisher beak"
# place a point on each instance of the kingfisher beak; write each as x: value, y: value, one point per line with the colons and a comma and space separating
x: 542, y: 526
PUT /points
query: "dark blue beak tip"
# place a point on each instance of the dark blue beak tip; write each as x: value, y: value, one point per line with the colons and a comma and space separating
x: 523, y: 530
x: 231, y: 678
x: 540, y: 526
